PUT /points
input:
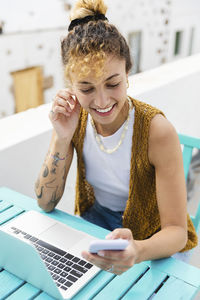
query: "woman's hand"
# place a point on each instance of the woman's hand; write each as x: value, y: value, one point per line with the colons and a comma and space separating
x: 65, y: 114
x: 116, y: 262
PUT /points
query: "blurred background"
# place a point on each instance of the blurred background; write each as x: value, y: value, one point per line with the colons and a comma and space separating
x: 158, y: 32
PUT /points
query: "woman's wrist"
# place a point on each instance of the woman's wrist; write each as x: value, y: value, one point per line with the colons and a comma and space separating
x: 139, y: 251
x: 61, y: 142
x: 59, y: 149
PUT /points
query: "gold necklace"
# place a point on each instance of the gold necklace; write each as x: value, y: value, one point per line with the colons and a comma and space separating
x: 99, y: 140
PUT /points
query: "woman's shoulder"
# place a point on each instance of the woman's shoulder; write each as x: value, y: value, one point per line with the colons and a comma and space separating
x: 162, y: 136
x: 161, y: 128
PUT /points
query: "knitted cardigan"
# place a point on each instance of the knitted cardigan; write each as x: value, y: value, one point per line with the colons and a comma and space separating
x: 141, y: 214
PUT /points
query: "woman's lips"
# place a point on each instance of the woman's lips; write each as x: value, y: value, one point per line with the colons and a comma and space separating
x: 104, y: 112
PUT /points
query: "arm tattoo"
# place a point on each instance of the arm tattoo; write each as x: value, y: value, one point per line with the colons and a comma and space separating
x: 48, y: 184
x: 54, y: 200
x: 39, y: 196
x: 46, y: 170
x: 56, y: 159
x: 53, y: 171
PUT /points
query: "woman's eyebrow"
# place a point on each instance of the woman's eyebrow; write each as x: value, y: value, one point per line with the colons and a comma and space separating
x: 86, y: 82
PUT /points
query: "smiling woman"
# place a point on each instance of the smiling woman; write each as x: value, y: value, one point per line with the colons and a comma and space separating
x: 130, y: 176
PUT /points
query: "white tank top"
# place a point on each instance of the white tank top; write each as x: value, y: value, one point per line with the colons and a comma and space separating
x: 109, y: 173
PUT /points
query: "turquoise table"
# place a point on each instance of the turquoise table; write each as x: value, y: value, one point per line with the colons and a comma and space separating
x: 165, y: 279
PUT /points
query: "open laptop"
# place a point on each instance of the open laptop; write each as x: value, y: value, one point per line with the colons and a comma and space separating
x: 46, y: 253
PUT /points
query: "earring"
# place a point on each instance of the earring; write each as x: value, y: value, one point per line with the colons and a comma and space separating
x: 127, y: 86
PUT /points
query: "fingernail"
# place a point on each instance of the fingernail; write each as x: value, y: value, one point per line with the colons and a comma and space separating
x: 101, y: 253
x: 109, y: 236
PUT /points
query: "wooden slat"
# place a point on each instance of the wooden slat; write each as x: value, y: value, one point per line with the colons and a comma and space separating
x: 27, y: 291
x: 175, y: 289
x: 5, y: 205
x: 146, y: 286
x: 178, y: 269
x: 119, y: 285
x: 10, y: 213
x: 103, y: 281
x: 18, y: 199
x: 8, y: 284
x: 44, y: 296
x: 78, y: 223
x: 94, y: 286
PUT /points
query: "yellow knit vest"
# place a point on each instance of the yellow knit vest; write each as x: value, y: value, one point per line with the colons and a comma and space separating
x: 141, y: 214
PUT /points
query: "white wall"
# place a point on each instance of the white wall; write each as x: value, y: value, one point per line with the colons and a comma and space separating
x: 33, y: 30
x: 184, y: 16
x: 173, y: 88
x: 28, y: 15
x: 26, y: 50
x: 24, y: 142
x: 25, y: 137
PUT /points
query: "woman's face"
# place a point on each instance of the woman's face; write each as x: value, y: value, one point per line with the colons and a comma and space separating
x: 103, y: 97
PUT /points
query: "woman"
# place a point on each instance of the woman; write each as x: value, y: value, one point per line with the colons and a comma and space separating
x: 130, y: 172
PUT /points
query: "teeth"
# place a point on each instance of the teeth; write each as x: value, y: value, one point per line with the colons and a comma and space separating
x: 104, y: 110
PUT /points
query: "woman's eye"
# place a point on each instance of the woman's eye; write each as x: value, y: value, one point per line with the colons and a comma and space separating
x: 113, y: 85
x: 87, y: 91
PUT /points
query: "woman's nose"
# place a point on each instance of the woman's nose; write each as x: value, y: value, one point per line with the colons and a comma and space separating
x: 101, y: 100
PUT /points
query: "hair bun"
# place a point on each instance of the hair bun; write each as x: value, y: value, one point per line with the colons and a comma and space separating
x: 84, y: 8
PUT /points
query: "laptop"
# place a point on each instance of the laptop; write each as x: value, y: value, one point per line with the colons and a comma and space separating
x: 46, y: 253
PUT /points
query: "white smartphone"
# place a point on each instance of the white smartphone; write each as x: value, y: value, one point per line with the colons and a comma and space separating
x: 118, y: 244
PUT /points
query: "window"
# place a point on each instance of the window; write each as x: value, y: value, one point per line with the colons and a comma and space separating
x: 134, y: 40
x: 178, y: 41
x: 191, y: 39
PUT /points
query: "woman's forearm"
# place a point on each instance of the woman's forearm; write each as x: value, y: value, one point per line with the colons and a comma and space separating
x: 164, y: 243
x: 50, y: 185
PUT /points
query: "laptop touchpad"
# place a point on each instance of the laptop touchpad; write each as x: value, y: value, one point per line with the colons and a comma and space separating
x: 62, y: 236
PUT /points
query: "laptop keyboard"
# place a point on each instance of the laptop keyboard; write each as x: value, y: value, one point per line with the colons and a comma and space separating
x: 64, y: 267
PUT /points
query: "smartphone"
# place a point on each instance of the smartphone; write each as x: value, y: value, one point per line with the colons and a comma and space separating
x: 113, y: 245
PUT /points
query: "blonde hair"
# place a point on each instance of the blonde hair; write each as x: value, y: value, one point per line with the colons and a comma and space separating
x: 87, y: 45
x: 85, y: 8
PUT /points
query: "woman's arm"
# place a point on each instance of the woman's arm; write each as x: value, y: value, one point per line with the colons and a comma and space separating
x: 64, y: 117
x: 166, y: 156
x: 51, y: 181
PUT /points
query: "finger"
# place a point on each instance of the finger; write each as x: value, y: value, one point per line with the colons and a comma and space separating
x: 115, y: 255
x: 95, y: 259
x: 101, y: 261
x: 104, y: 264
x: 63, y: 103
x: 123, y: 233
x: 59, y: 110
x: 68, y: 96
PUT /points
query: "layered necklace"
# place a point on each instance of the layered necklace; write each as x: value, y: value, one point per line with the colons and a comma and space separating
x: 99, y: 140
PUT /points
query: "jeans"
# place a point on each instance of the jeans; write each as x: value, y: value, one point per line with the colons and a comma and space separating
x: 108, y: 219
x: 103, y: 216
